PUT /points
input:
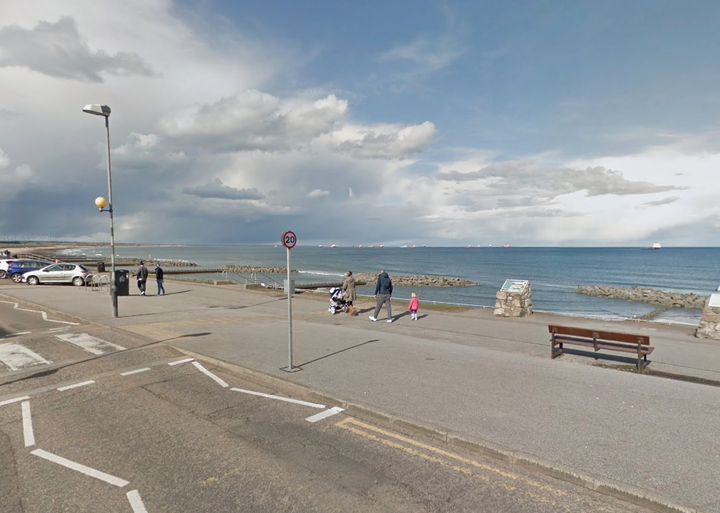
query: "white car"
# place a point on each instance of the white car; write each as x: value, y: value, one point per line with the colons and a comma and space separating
x: 4, y: 264
x: 59, y: 273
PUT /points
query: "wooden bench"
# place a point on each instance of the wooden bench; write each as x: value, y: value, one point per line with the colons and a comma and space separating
x: 598, y: 339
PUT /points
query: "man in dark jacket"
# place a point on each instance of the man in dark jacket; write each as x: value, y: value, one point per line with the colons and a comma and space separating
x: 383, y: 292
x: 159, y: 278
x: 142, y: 274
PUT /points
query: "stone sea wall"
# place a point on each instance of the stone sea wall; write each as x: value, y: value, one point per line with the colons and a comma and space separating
x: 642, y: 295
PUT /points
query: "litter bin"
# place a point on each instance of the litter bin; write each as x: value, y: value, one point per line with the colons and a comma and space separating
x: 101, y: 267
x: 122, y: 282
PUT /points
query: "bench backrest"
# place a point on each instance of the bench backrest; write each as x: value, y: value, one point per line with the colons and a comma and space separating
x: 600, y: 334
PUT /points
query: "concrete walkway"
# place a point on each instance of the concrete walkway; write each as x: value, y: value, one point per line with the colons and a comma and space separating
x: 484, y: 378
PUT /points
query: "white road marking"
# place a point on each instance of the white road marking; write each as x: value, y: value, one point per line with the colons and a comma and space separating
x: 15, y: 400
x: 325, y: 414
x: 90, y: 344
x: 181, y: 361
x: 102, y: 476
x: 62, y: 389
x: 17, y: 334
x: 134, y: 371
x: 16, y: 356
x: 286, y: 399
x: 208, y: 373
x: 27, y: 424
x: 44, y: 315
x: 58, y: 329
x: 136, y: 502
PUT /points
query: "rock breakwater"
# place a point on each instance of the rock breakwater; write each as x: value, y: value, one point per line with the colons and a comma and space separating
x: 415, y: 281
x: 249, y: 269
x: 643, y: 295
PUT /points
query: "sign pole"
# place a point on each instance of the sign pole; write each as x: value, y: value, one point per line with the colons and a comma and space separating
x: 289, y: 291
x: 289, y: 239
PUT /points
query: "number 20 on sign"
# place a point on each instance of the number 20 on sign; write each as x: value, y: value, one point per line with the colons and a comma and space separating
x: 289, y: 239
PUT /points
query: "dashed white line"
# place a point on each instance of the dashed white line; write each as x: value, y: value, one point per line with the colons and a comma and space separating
x: 286, y: 399
x: 18, y: 334
x: 208, y: 373
x: 76, y: 385
x: 102, y: 476
x: 128, y: 373
x: 325, y: 414
x: 15, y: 400
x: 27, y: 425
x: 89, y: 343
x: 136, y: 502
x: 181, y: 361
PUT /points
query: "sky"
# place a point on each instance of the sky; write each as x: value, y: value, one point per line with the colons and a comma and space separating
x: 530, y: 123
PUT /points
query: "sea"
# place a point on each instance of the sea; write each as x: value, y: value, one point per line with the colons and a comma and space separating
x: 554, y: 273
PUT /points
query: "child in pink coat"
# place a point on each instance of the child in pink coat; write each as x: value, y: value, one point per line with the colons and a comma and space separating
x: 413, y: 306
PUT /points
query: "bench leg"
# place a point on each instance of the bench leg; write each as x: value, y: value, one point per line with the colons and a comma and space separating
x: 553, y: 352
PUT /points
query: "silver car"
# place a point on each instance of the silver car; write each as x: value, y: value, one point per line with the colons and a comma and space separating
x: 59, y: 273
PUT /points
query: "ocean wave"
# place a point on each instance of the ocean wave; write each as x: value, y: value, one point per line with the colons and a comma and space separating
x: 321, y: 273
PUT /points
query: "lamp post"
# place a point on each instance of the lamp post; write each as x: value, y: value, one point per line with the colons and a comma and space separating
x: 104, y: 110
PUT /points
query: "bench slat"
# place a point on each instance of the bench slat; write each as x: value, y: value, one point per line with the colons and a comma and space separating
x: 605, y: 345
x: 601, y: 335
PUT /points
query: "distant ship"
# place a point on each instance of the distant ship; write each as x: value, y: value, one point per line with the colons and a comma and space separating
x: 656, y: 245
x: 333, y: 245
x: 404, y: 246
x: 506, y: 245
x: 359, y: 245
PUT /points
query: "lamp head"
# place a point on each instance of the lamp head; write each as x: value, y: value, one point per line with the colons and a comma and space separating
x: 100, y: 203
x: 97, y: 110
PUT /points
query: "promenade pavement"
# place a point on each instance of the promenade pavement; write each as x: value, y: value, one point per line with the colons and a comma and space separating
x: 484, y: 378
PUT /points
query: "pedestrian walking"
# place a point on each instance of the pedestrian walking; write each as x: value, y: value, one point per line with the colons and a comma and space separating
x: 159, y: 279
x: 142, y: 274
x: 349, y: 290
x: 413, y: 306
x: 383, y: 293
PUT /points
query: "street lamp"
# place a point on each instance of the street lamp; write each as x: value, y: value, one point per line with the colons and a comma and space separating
x: 104, y: 110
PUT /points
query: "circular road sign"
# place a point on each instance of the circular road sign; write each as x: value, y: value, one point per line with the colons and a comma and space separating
x: 289, y: 239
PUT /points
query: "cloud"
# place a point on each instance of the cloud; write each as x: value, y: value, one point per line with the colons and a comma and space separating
x: 386, y: 141
x: 254, y: 120
x: 216, y: 189
x: 318, y: 193
x: 519, y: 176
x: 659, y: 203
x: 428, y: 55
x: 58, y: 50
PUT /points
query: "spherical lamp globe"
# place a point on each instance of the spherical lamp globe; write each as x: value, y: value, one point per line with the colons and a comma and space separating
x: 100, y: 202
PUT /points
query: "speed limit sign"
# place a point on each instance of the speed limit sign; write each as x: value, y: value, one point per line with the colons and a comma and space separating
x: 289, y: 239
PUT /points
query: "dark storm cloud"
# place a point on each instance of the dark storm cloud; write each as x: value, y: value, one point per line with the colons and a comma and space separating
x: 216, y: 189
x: 58, y: 50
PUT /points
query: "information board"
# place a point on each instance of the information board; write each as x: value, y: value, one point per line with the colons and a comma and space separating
x: 515, y: 285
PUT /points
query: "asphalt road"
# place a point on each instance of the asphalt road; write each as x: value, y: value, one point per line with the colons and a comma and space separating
x: 95, y: 428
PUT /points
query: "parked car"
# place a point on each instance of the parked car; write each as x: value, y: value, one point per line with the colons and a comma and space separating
x: 16, y: 270
x: 59, y: 273
x: 4, y: 263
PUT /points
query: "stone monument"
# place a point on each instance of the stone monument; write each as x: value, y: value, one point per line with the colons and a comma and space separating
x: 710, y: 321
x: 514, y: 299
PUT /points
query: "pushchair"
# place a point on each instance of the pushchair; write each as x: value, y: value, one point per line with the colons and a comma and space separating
x: 336, y: 301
